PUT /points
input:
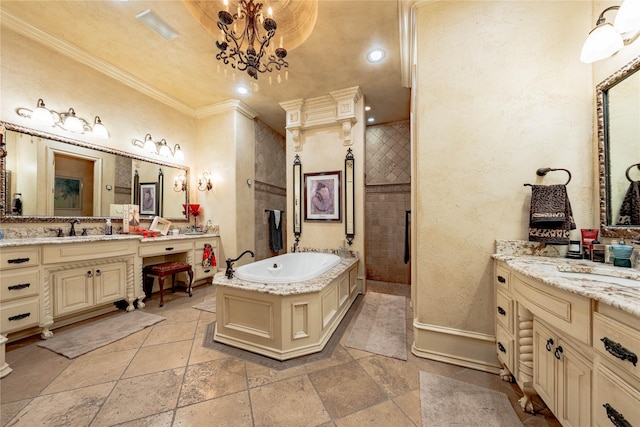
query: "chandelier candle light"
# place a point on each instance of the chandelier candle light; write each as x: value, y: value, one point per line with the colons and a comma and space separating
x: 265, y: 57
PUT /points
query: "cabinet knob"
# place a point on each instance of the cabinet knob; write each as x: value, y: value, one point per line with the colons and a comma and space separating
x: 98, y: 273
x: 501, y: 311
x: 89, y: 273
x: 549, y: 344
x: 501, y: 347
x: 616, y: 418
x: 502, y: 279
x: 558, y: 352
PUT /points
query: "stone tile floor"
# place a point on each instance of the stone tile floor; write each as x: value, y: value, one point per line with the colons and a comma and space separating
x: 163, y: 376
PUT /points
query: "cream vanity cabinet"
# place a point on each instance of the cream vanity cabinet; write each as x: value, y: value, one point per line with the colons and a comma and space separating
x: 546, y: 335
x: 616, y: 340
x: 200, y: 271
x: 84, y: 277
x: 20, y: 276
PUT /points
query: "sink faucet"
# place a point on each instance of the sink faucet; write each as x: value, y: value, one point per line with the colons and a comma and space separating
x: 229, y: 261
x: 72, y: 232
x: 636, y: 240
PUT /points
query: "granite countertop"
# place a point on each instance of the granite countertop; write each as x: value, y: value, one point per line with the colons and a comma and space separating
x: 308, y: 286
x: 549, y: 270
x: 7, y: 243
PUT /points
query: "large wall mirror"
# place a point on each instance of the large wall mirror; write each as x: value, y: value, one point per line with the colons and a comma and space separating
x: 618, y: 108
x: 49, y: 178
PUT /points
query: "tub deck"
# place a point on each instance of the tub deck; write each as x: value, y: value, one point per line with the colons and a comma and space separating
x: 284, y: 321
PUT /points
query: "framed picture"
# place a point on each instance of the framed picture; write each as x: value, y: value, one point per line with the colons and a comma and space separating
x: 148, y: 198
x: 160, y: 224
x: 67, y: 193
x: 322, y: 196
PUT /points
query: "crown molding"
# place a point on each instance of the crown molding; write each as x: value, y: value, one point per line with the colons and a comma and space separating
x: 224, y: 106
x: 26, y: 29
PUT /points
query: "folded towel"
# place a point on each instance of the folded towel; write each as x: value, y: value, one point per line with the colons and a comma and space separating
x: 630, y: 209
x: 275, y: 232
x: 551, y: 217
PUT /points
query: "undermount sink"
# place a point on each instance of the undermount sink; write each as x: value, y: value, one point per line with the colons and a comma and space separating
x: 601, y: 278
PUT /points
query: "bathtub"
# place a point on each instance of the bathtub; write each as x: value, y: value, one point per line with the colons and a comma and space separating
x: 286, y: 306
x: 288, y: 268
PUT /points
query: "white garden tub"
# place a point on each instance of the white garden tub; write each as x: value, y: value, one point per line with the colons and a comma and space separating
x: 288, y: 268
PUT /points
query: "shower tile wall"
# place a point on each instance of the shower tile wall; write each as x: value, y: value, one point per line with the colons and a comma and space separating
x: 387, y: 198
x: 270, y: 186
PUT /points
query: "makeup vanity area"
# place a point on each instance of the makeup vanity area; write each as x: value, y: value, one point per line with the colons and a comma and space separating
x: 51, y: 277
x: 568, y: 330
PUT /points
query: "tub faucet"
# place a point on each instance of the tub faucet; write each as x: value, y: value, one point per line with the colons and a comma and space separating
x: 229, y: 261
x: 72, y: 232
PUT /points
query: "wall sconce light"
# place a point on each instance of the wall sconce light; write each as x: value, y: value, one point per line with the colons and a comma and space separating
x: 67, y: 121
x: 160, y: 148
x: 180, y: 183
x: 205, y: 182
x: 606, y: 40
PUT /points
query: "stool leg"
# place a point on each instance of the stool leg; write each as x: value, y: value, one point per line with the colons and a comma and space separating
x: 173, y: 283
x: 190, y: 272
x: 161, y: 284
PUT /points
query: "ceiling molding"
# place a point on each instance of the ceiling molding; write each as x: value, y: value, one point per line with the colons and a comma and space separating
x: 24, y: 28
x: 224, y: 106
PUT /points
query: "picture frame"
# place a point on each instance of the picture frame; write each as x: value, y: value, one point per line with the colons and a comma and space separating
x: 67, y: 193
x: 149, y: 198
x: 322, y: 194
x: 160, y: 225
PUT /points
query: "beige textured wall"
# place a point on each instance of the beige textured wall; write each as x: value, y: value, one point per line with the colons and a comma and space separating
x: 387, y: 198
x: 501, y: 92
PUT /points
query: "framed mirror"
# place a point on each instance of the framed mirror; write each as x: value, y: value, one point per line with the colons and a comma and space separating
x: 618, y: 110
x: 53, y: 178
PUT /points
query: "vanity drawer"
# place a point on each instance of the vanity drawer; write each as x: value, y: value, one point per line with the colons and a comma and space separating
x: 617, y: 343
x: 504, y: 311
x: 200, y: 272
x: 616, y: 398
x: 504, y: 347
x: 83, y: 251
x: 20, y: 315
x: 567, y: 312
x: 19, y: 284
x: 502, y: 278
x: 165, y: 248
x: 19, y: 257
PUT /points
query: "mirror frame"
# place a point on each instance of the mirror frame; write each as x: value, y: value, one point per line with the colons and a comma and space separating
x: 86, y: 219
x: 603, y: 145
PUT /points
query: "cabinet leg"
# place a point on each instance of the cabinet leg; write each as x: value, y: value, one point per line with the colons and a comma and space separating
x: 4, y: 367
x: 505, y: 375
x: 526, y: 403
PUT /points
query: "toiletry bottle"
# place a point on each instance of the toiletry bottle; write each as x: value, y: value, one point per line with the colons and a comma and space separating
x: 108, y: 229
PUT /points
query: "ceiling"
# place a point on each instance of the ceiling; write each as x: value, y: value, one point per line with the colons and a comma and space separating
x: 185, y: 74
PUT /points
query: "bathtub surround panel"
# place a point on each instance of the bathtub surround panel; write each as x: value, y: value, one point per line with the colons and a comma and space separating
x: 487, y: 113
x: 284, y: 320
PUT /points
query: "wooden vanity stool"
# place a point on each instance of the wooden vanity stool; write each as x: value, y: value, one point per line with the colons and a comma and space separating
x: 164, y: 269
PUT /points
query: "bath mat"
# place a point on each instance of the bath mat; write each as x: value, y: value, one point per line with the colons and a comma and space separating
x: 448, y: 402
x: 208, y: 305
x: 277, y: 365
x: 381, y: 326
x: 77, y: 341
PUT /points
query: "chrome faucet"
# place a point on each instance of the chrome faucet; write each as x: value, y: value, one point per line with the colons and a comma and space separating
x: 229, y: 261
x: 72, y: 232
x: 636, y: 240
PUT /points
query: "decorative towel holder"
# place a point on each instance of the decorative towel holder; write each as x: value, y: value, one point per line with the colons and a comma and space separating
x: 628, y: 169
x: 544, y: 171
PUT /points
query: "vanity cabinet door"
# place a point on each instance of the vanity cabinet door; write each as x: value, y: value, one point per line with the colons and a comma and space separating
x: 110, y: 282
x: 562, y: 377
x: 72, y: 290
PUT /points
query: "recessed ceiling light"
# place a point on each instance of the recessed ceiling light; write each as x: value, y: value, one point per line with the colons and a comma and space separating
x: 367, y: 108
x: 154, y: 22
x: 371, y: 120
x: 376, y: 55
x: 242, y: 90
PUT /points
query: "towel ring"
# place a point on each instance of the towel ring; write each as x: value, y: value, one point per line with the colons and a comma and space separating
x: 628, y: 169
x: 544, y: 171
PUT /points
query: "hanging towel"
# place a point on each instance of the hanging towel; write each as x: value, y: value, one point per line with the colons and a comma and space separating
x: 630, y: 209
x: 551, y: 217
x: 208, y: 256
x: 275, y: 231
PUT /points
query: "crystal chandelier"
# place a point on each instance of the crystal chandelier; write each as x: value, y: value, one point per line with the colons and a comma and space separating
x: 248, y: 49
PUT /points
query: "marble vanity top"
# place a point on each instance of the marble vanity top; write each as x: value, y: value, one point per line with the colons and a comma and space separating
x: 7, y: 243
x: 599, y: 284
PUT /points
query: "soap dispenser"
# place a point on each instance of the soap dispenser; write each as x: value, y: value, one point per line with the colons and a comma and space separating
x: 622, y: 254
x: 108, y: 229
